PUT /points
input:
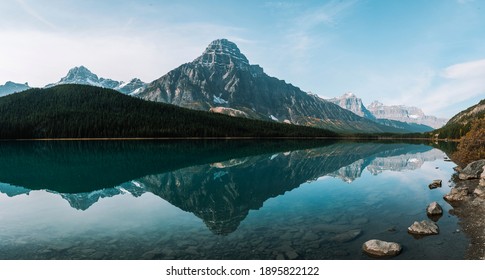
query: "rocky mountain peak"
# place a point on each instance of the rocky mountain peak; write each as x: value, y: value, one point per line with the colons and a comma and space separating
x: 79, y: 73
x: 354, y: 104
x: 349, y: 95
x: 404, y: 113
x: 222, y: 52
x: 83, y: 76
x: 375, y: 104
x: 222, y: 80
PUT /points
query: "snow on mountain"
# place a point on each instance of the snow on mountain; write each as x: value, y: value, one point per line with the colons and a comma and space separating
x: 404, y: 113
x: 411, y: 119
x: 133, y: 87
x: 83, y: 76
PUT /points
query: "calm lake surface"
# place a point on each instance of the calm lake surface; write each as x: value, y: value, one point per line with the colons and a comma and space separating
x: 220, y: 199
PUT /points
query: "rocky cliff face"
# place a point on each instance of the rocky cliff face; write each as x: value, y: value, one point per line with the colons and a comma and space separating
x: 11, y: 87
x: 354, y: 104
x: 223, y: 78
x: 404, y: 114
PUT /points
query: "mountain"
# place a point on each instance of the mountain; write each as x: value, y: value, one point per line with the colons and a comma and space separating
x: 80, y: 111
x: 407, y: 126
x: 82, y: 76
x: 222, y: 80
x: 132, y: 87
x: 404, y: 114
x: 460, y: 124
x: 354, y: 104
x: 11, y: 87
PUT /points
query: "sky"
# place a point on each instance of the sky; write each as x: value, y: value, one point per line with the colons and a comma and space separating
x: 429, y: 54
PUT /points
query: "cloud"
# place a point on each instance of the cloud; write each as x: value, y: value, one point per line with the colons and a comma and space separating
x: 465, y: 70
x: 440, y: 92
x: 327, y: 14
x: 457, y: 83
x: 310, y: 30
x: 28, y: 9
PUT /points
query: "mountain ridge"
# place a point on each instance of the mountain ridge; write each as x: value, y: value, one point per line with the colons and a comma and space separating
x: 461, y: 123
x: 402, y: 113
x: 386, y: 115
x: 222, y: 78
x: 80, y: 75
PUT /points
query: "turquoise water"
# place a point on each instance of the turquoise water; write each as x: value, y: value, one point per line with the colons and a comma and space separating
x: 220, y: 199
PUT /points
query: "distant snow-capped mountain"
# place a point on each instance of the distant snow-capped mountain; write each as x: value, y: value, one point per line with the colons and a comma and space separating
x: 404, y: 113
x: 354, y: 104
x: 408, y: 118
x: 82, y: 76
x: 11, y: 87
x: 132, y: 87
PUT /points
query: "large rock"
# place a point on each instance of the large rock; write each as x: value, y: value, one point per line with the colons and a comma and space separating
x: 479, y: 191
x: 424, y: 228
x: 435, y: 184
x: 379, y: 248
x: 457, y: 194
x: 472, y: 170
x: 482, y: 178
x: 434, y: 209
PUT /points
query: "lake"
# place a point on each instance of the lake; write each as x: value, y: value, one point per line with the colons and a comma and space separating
x: 220, y: 199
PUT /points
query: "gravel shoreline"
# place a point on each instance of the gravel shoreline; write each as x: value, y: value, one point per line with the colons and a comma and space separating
x: 471, y: 212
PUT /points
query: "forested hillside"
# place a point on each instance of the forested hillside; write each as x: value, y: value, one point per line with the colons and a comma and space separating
x: 79, y: 111
x: 461, y: 123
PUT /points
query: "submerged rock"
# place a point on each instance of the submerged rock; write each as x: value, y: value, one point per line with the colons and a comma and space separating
x: 457, y: 194
x: 472, y: 170
x: 424, y: 228
x: 435, y: 184
x: 347, y: 236
x: 379, y: 248
x: 434, y: 209
x: 292, y: 255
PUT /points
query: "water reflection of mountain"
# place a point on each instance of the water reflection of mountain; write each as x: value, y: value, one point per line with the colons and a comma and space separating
x: 404, y: 160
x: 221, y: 188
x: 85, y: 166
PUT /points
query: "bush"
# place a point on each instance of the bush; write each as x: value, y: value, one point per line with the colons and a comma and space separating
x: 472, y: 145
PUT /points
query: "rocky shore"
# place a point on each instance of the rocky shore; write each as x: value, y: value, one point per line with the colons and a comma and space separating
x: 467, y: 197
